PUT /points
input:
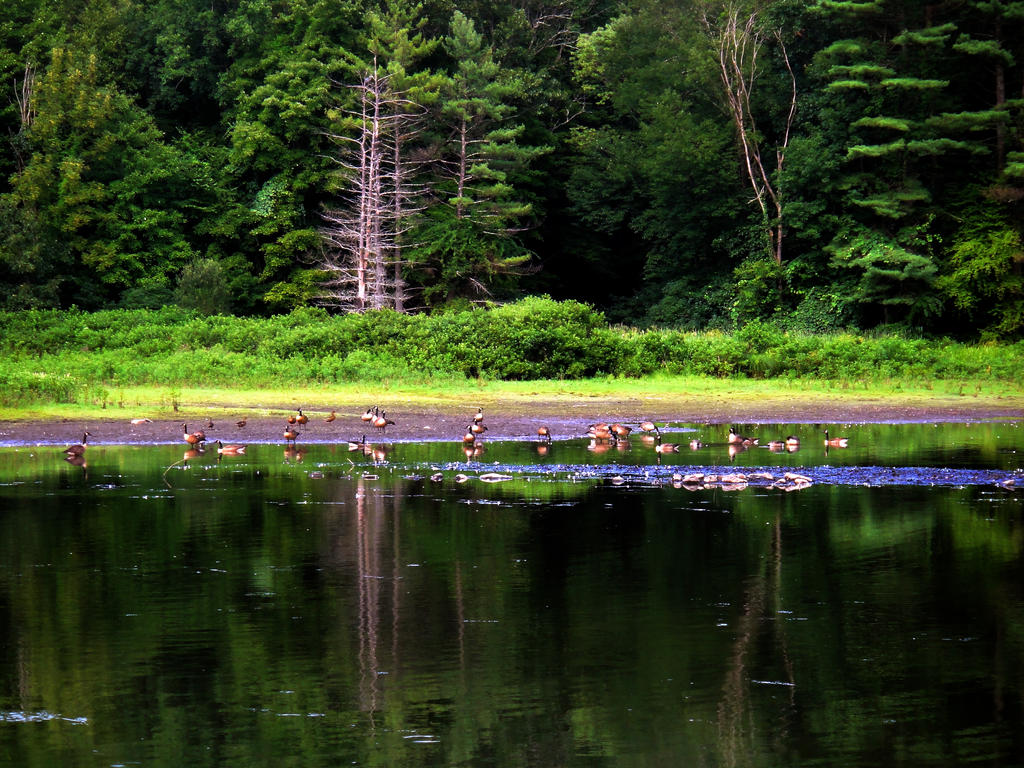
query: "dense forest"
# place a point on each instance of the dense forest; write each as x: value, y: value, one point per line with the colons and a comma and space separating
x: 697, y: 164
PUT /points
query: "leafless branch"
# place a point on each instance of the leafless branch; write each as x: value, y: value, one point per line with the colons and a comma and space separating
x: 23, y: 96
x: 738, y: 44
x: 363, y: 238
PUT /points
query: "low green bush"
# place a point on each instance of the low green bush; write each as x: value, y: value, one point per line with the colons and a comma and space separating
x: 25, y: 386
x: 63, y: 356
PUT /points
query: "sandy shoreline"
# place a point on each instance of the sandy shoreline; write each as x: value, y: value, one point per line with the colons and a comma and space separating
x: 508, y: 422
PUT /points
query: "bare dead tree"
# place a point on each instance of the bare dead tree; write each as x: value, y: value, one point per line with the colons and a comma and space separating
x: 551, y: 25
x: 738, y: 43
x: 354, y: 249
x: 362, y: 253
x: 24, y: 93
x: 554, y: 25
x: 23, y: 96
x: 463, y: 176
x: 398, y: 172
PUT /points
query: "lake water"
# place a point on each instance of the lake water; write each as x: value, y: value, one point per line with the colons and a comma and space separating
x: 327, y: 607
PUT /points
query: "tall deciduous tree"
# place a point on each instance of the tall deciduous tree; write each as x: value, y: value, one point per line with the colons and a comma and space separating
x: 649, y: 189
x: 739, y: 35
x: 92, y: 211
x: 277, y: 94
x: 173, y: 60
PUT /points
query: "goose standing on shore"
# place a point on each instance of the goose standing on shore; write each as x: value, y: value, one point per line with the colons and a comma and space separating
x: 382, y: 421
x: 192, y: 438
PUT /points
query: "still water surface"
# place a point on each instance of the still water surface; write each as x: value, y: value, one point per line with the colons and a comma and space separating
x: 326, y: 607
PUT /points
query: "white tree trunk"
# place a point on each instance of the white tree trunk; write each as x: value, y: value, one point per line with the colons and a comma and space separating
x: 362, y: 256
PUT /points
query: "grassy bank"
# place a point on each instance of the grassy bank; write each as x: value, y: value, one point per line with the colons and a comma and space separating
x: 54, y: 361
x: 659, y: 394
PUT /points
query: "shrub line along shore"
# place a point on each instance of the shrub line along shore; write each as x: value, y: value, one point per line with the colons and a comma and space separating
x: 535, y: 360
x: 74, y: 357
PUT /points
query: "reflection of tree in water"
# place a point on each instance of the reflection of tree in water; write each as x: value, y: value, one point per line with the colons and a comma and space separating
x: 368, y: 533
x: 360, y: 546
x: 737, y: 726
x: 373, y: 520
x: 376, y: 557
x: 25, y: 687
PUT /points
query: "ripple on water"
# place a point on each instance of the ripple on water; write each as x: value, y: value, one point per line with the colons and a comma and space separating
x: 758, y: 477
x: 42, y: 716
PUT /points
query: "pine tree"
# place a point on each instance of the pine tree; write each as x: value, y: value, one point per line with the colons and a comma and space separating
x: 468, y: 243
x: 996, y: 24
x: 886, y: 80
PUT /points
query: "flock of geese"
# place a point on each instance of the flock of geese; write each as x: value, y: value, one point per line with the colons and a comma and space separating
x: 603, y: 436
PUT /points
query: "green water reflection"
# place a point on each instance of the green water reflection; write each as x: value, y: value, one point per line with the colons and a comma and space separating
x: 267, y: 610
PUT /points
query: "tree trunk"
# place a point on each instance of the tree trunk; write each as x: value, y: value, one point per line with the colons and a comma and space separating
x: 738, y: 47
x: 363, y: 255
x: 1000, y: 101
x: 463, y: 169
x: 398, y: 184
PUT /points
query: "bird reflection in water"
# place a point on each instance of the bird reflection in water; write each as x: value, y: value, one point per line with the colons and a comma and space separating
x: 294, y: 454
x: 379, y: 453
x: 78, y: 460
x: 474, y: 451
